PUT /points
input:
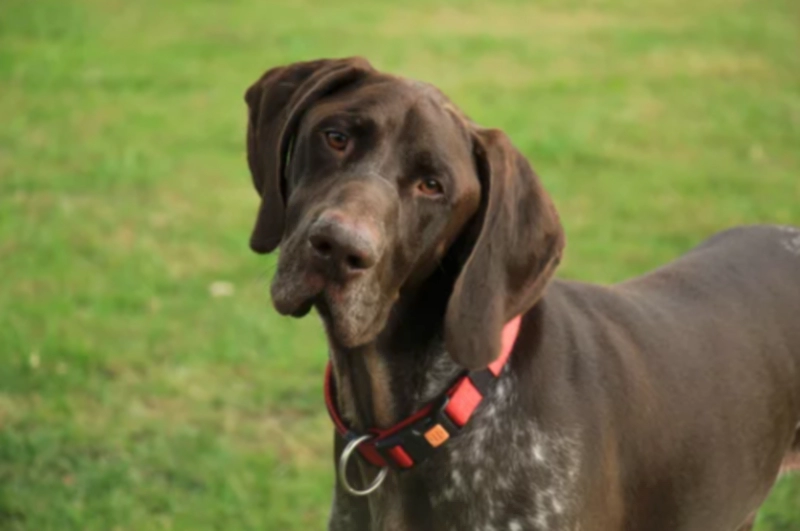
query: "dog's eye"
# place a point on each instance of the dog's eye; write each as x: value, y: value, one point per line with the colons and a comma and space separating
x: 430, y: 187
x: 336, y: 140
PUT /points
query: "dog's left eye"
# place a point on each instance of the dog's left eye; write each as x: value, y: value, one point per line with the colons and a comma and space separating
x: 337, y: 140
x: 430, y: 187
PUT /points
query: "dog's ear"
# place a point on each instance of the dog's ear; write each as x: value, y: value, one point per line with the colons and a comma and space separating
x: 277, y: 102
x: 518, y: 245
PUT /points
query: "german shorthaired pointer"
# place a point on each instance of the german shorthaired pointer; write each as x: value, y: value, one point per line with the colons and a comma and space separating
x: 669, y: 402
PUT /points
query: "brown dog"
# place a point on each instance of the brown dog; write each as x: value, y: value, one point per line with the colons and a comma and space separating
x: 665, y: 403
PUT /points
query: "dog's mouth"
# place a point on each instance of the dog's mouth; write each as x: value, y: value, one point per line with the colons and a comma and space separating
x: 350, y: 323
x: 303, y: 308
x: 353, y: 313
x: 294, y: 293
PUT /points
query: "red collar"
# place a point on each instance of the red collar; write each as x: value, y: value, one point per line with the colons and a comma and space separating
x: 413, y: 439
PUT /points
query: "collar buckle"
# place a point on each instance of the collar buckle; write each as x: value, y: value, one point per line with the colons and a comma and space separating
x: 416, y: 442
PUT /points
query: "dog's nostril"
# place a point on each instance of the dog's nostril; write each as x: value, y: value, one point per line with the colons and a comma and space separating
x: 355, y: 262
x: 322, y: 246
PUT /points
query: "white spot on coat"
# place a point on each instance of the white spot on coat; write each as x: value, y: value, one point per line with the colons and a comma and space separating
x: 458, y: 481
x: 538, y: 453
x: 791, y: 240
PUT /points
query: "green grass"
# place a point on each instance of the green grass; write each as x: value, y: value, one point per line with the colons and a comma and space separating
x: 133, y: 399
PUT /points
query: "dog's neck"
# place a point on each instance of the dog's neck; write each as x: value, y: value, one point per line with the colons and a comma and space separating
x: 388, y: 379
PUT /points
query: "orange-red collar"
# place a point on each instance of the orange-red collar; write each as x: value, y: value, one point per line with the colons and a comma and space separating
x: 414, y: 439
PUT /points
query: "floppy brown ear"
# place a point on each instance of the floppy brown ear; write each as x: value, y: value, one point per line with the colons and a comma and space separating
x: 517, y: 250
x: 277, y: 102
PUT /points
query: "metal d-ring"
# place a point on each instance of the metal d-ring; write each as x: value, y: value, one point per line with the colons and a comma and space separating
x: 345, y: 457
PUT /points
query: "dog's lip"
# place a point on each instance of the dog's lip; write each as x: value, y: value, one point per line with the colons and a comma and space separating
x: 303, y: 308
x: 296, y: 307
x: 323, y: 307
x: 296, y: 298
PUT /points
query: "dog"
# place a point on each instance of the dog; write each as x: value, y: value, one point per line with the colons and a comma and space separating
x: 427, y: 244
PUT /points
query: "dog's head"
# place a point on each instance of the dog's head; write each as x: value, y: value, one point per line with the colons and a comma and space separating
x: 366, y: 182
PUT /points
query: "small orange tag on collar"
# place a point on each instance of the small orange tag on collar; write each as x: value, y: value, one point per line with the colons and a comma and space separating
x: 436, y: 436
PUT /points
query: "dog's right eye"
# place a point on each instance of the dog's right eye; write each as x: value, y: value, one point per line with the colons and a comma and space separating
x: 337, y: 140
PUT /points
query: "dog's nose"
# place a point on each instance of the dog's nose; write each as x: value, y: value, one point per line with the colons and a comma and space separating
x: 343, y: 244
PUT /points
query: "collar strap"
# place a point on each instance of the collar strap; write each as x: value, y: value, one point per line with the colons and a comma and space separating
x: 414, y: 439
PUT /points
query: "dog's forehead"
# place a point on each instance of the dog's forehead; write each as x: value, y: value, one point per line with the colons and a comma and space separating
x: 424, y: 116
x: 395, y: 101
x: 429, y: 127
x: 413, y: 117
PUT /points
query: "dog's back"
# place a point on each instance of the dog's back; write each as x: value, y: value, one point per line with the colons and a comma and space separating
x: 742, y: 282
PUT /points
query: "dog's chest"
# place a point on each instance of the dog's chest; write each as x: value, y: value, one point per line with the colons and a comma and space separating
x: 507, y: 474
x: 502, y: 473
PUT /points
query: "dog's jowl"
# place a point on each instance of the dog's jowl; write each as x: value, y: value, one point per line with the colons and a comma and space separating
x: 470, y: 390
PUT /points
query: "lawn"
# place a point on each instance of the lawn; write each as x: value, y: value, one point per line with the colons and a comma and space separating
x: 145, y: 381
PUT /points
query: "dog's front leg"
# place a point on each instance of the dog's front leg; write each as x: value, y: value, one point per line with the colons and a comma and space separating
x: 348, y: 513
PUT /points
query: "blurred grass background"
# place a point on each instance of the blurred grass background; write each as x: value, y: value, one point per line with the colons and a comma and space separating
x: 145, y: 382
